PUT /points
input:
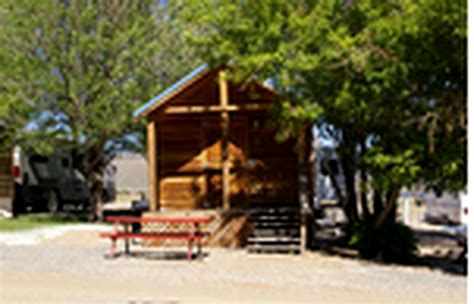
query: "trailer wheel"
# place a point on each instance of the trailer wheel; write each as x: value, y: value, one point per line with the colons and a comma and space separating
x: 53, y: 203
x: 18, y: 205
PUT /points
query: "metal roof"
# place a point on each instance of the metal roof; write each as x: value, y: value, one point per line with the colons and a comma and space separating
x: 170, y: 91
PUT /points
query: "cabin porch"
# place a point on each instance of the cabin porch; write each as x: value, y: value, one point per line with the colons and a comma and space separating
x: 212, y: 150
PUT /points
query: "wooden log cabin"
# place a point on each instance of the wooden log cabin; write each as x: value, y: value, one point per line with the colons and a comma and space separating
x: 211, y: 150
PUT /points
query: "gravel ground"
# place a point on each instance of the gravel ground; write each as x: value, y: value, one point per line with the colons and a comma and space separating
x: 70, y: 268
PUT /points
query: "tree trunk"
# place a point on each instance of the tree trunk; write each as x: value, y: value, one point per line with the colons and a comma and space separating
x: 96, y: 196
x: 92, y: 165
x: 392, y: 213
x: 378, y: 203
x: 363, y: 194
x: 332, y: 177
x: 363, y: 182
x: 350, y: 204
x: 392, y: 196
x: 347, y: 157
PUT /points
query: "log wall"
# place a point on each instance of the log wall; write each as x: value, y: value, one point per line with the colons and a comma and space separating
x: 190, y: 168
x: 196, y: 128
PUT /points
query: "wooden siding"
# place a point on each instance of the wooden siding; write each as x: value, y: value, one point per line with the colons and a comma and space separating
x: 190, y: 166
x: 261, y: 170
x: 204, y: 92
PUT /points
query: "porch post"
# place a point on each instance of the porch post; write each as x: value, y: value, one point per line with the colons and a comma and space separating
x: 224, y: 102
x: 302, y: 189
x: 310, y: 159
x: 153, y: 185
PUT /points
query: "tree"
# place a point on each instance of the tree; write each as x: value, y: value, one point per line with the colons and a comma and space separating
x: 73, y: 72
x: 385, y: 79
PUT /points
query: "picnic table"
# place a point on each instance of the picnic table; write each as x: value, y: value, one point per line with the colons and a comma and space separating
x: 189, y: 229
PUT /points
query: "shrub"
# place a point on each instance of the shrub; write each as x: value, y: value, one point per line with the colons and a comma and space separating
x: 392, y: 242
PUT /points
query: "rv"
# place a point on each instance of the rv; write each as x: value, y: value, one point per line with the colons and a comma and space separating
x: 46, y: 183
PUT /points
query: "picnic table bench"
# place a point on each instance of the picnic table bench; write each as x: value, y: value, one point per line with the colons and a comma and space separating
x: 191, y: 231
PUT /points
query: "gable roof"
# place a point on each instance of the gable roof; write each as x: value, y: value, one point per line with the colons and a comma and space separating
x: 172, y: 91
x: 181, y: 85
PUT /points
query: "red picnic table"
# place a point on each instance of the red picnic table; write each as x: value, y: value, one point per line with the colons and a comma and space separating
x: 189, y: 230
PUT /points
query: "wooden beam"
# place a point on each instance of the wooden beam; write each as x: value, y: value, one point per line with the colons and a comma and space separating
x: 310, y: 159
x: 215, y: 108
x: 153, y: 186
x: 224, y: 103
x: 302, y: 189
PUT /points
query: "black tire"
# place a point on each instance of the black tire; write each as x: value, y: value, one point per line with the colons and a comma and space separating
x: 18, y: 205
x: 53, y: 203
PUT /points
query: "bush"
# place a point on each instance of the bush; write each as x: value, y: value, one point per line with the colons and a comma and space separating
x: 392, y: 242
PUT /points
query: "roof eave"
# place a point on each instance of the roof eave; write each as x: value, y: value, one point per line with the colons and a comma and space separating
x: 170, y: 92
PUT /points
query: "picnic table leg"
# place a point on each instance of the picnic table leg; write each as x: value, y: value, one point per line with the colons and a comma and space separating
x: 114, y: 242
x: 190, y: 249
x: 127, y: 242
x: 112, y: 248
x: 190, y: 241
x: 199, y: 245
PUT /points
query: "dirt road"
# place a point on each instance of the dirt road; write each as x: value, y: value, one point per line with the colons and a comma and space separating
x: 70, y: 268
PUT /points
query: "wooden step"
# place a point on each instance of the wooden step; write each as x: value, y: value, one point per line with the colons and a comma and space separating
x: 276, y: 208
x: 273, y: 239
x: 273, y: 217
x: 275, y: 232
x: 275, y: 225
x: 276, y: 212
x: 295, y: 249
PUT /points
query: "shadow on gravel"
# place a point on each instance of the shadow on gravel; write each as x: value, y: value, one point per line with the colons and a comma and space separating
x: 437, y: 250
x: 71, y: 216
x: 67, y: 215
x: 161, y: 255
x: 443, y: 251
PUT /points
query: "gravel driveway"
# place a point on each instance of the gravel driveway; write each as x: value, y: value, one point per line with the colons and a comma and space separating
x: 70, y: 268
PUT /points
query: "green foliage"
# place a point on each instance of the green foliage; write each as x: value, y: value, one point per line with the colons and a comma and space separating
x: 73, y: 72
x: 392, y: 170
x: 387, y: 74
x: 385, y: 79
x: 392, y: 242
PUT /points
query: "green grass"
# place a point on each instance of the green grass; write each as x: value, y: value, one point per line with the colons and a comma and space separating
x: 32, y: 221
